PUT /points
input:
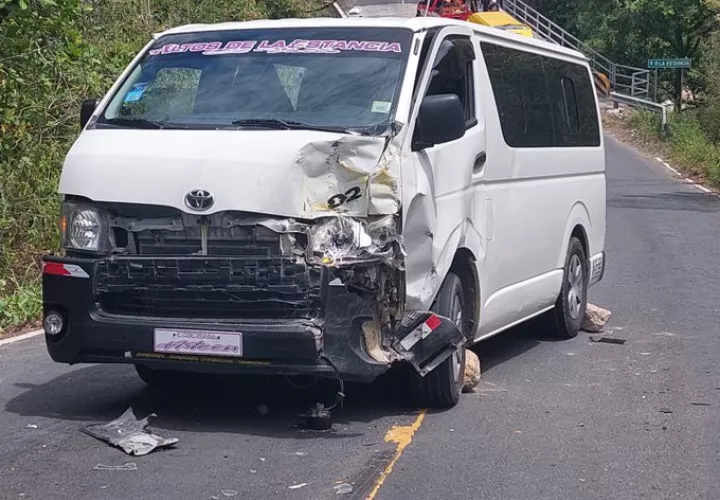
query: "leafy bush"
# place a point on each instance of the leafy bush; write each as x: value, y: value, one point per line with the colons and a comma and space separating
x: 646, y: 125
x: 53, y: 54
x: 691, y: 149
x: 687, y: 142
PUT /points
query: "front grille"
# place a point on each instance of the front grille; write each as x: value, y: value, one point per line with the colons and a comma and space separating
x: 254, y: 241
x: 274, y: 287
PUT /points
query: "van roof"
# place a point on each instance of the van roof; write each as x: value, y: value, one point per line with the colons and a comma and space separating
x: 415, y: 24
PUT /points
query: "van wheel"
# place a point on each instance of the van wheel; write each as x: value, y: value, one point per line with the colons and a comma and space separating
x: 565, y: 319
x: 441, y: 387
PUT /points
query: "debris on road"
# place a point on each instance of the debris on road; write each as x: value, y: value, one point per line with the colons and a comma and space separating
x: 129, y: 434
x: 127, y: 466
x: 263, y: 410
x: 317, y: 418
x: 343, y: 489
x: 665, y: 410
x: 229, y: 493
x: 31, y: 426
x: 595, y: 318
x: 700, y: 404
x: 472, y: 371
x: 608, y: 340
x: 297, y: 486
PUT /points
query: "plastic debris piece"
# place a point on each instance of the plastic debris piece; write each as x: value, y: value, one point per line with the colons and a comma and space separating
x: 129, y: 434
x: 318, y: 418
x: 608, y: 340
x: 665, y: 410
x: 343, y: 489
x: 229, y: 493
x: 127, y: 466
x: 31, y: 426
x: 297, y: 486
x: 700, y: 404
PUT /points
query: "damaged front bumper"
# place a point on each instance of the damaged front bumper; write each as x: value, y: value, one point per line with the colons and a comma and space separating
x: 112, y: 308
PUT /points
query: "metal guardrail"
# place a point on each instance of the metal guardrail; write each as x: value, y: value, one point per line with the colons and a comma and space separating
x: 626, y: 80
x: 636, y: 102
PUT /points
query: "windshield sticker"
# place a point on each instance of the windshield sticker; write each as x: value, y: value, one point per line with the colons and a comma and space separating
x: 136, y: 92
x: 381, y: 107
x: 279, y: 47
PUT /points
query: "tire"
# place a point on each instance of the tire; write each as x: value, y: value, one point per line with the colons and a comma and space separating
x: 441, y: 387
x: 564, y: 320
x: 155, y: 378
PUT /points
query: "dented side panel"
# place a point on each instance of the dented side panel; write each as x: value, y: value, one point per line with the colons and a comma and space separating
x: 440, y: 188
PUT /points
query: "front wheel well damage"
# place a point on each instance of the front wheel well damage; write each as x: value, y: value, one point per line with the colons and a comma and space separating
x: 463, y: 266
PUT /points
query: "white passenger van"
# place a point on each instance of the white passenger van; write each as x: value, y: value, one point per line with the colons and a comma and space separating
x: 328, y: 197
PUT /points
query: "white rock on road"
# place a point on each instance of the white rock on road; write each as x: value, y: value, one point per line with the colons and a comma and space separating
x: 595, y: 318
x: 472, y: 371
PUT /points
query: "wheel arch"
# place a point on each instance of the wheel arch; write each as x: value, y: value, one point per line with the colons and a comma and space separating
x: 463, y: 266
x: 578, y: 225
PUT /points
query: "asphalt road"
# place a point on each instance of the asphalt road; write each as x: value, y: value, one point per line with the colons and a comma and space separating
x: 551, y: 420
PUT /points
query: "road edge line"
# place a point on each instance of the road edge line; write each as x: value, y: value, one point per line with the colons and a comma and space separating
x: 687, y: 180
x: 24, y: 336
x: 339, y: 9
x: 667, y: 165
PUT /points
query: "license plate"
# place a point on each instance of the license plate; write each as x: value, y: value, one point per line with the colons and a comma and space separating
x: 198, y: 342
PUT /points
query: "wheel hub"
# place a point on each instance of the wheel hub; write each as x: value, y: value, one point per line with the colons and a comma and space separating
x: 575, y: 287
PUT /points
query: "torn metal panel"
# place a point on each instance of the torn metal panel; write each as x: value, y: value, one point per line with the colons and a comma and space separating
x: 425, y: 340
x: 374, y: 344
x: 351, y: 176
x: 129, y: 434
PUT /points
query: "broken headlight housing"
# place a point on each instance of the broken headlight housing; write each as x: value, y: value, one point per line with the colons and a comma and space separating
x: 83, y: 227
x: 337, y: 241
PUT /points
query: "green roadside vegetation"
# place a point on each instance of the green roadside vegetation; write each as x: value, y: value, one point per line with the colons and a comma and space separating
x: 692, y: 142
x: 630, y: 32
x: 54, y: 53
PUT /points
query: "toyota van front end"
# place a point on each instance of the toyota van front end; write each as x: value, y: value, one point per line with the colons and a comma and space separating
x: 232, y: 206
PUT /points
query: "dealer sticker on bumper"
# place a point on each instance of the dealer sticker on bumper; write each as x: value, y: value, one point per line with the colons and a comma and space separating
x: 198, y: 342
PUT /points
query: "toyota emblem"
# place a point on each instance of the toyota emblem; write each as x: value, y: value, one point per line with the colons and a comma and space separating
x: 199, y: 200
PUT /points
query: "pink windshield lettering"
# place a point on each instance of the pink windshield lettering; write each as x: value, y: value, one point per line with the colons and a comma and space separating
x: 279, y: 46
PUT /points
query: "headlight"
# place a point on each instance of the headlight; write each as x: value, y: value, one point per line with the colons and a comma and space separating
x: 345, y: 240
x: 83, y: 228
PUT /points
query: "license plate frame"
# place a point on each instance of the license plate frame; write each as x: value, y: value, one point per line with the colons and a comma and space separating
x: 198, y: 342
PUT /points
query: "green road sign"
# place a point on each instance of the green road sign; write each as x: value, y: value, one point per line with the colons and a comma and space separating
x: 669, y: 63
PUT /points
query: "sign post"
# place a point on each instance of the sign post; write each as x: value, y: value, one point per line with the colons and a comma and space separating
x: 678, y: 64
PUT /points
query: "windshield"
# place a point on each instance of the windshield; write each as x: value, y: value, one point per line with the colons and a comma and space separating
x: 334, y: 79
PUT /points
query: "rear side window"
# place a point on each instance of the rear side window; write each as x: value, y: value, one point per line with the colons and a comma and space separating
x: 542, y: 102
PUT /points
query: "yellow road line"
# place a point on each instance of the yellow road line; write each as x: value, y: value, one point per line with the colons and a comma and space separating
x: 402, y: 436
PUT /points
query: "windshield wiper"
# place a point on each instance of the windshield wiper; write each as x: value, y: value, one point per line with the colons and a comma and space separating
x: 139, y: 123
x: 277, y: 124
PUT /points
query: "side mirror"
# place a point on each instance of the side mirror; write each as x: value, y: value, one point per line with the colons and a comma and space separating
x: 87, y: 109
x: 441, y: 119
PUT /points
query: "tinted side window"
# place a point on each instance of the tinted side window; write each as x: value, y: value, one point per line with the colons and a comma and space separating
x: 453, y: 73
x: 542, y: 102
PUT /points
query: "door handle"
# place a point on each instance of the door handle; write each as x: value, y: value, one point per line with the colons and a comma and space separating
x: 479, y: 164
